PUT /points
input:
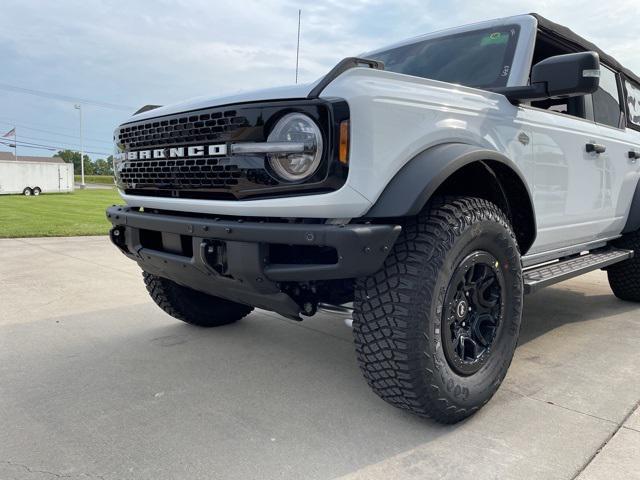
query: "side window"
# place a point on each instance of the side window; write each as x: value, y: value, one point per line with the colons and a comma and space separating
x: 606, y: 100
x: 633, y: 102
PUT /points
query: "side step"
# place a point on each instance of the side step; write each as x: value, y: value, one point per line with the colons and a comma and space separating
x: 536, y: 278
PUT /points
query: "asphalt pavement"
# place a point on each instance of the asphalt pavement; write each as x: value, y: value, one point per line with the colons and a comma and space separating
x: 97, y: 382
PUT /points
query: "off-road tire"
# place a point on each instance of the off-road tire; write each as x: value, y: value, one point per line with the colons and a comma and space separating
x: 624, y: 277
x: 398, y: 311
x: 192, y: 306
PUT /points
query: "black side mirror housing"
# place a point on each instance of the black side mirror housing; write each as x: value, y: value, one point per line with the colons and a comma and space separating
x: 562, y: 76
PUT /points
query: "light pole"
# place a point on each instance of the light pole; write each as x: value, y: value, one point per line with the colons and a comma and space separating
x: 78, y: 107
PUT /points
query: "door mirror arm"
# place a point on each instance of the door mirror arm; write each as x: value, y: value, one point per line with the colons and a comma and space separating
x: 516, y: 95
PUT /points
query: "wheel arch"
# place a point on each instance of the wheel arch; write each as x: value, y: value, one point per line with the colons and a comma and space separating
x: 633, y: 220
x: 460, y: 169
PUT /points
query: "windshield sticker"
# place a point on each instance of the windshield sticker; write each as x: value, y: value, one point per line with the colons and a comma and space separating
x: 495, y: 38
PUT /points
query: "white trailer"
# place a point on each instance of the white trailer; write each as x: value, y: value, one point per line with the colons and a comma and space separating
x: 33, y: 178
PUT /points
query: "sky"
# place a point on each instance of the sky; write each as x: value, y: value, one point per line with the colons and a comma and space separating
x: 131, y: 53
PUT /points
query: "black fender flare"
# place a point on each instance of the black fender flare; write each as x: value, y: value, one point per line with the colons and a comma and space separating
x: 415, y: 183
x: 633, y: 220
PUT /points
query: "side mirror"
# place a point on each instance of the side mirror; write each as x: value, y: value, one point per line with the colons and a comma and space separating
x: 562, y: 76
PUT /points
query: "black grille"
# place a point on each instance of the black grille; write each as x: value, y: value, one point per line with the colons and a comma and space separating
x: 203, y: 127
x: 180, y: 174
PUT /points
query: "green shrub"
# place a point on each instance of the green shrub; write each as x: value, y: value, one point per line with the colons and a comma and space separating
x: 107, y: 179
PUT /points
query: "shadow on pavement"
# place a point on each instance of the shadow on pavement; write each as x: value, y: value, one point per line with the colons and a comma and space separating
x: 554, y: 307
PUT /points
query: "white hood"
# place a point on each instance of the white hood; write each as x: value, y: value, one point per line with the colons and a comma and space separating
x: 278, y: 93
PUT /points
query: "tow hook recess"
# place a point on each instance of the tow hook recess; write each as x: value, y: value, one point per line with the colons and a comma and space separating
x: 215, y: 256
x: 117, y: 236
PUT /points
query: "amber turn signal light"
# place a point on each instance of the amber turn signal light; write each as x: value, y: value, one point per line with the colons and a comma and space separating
x: 343, y: 151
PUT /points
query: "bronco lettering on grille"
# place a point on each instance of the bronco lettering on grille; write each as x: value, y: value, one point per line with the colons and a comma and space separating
x: 175, y: 152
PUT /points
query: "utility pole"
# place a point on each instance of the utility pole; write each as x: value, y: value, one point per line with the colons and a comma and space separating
x: 298, y: 45
x: 78, y: 107
x: 15, y: 142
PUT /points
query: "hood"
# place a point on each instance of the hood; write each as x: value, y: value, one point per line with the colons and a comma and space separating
x: 278, y: 93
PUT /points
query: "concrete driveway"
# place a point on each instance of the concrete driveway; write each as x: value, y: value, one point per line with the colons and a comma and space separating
x: 97, y: 382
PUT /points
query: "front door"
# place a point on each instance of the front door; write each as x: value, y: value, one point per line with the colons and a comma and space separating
x: 567, y: 180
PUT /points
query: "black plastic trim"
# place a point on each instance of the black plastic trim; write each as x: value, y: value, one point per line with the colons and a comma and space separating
x: 410, y: 189
x: 361, y: 250
x: 633, y: 220
x: 342, y: 66
x: 146, y: 108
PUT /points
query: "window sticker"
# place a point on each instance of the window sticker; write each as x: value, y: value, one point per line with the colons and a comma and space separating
x: 496, y: 38
x: 633, y: 102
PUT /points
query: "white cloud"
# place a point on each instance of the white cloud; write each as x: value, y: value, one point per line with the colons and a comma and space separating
x: 160, y: 51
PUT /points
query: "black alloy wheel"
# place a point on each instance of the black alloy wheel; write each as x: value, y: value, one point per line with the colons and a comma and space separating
x: 474, y: 307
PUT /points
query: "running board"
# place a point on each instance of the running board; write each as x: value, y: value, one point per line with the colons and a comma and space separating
x: 536, y: 278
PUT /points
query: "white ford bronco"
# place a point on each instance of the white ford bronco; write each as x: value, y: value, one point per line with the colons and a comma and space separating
x: 426, y: 186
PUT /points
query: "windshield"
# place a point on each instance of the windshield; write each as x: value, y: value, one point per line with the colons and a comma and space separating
x: 479, y: 58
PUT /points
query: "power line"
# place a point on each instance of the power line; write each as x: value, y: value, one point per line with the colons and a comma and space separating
x: 13, y: 121
x: 57, y: 135
x: 36, y: 148
x: 52, y: 148
x: 22, y: 125
x: 58, y: 141
x: 65, y: 98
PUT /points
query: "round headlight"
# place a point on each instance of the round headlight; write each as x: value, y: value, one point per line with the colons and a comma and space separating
x: 296, y: 128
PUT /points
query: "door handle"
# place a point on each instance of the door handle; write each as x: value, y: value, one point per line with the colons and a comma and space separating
x: 596, y: 147
x: 634, y: 155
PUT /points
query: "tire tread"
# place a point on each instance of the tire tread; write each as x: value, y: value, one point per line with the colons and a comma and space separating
x: 624, y: 277
x: 388, y: 303
x: 191, y: 306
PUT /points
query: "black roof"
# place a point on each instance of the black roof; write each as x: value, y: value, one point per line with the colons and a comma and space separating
x: 582, y: 44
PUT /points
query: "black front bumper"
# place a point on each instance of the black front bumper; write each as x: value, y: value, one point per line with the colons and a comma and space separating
x: 232, y: 259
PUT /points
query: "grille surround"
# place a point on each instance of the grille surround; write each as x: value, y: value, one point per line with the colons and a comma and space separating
x: 228, y: 177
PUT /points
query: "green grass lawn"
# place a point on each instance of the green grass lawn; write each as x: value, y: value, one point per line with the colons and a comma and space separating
x: 56, y: 214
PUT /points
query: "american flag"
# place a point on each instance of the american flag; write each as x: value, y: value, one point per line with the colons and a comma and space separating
x: 10, y: 133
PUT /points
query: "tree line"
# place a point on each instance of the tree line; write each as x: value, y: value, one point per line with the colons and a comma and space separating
x: 99, y: 166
